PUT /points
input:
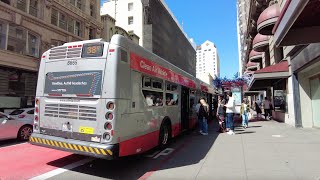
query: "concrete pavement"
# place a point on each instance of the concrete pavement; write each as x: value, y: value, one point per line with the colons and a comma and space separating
x: 265, y: 150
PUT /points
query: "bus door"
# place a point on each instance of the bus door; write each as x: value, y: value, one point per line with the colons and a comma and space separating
x: 184, y: 108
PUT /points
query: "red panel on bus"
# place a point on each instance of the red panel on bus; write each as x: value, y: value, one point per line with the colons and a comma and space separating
x: 139, y: 144
x: 146, y: 66
x: 176, y: 128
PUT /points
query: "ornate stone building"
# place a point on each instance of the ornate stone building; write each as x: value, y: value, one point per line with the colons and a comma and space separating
x: 30, y: 27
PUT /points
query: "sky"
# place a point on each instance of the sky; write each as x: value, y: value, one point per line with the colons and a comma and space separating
x: 213, y: 20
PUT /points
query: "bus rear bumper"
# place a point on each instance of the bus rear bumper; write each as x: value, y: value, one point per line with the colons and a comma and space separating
x: 92, y: 149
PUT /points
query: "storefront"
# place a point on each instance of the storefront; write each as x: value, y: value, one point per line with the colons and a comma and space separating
x: 273, y: 80
x: 297, y: 30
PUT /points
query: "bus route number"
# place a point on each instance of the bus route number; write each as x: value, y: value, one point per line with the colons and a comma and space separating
x: 72, y: 63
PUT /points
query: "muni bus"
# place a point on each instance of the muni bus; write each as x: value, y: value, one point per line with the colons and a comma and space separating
x: 112, y: 99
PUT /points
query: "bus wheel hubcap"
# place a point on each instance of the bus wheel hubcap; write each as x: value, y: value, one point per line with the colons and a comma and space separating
x: 165, y: 135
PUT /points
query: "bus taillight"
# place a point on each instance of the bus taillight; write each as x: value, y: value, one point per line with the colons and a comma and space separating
x: 110, y: 106
x: 36, y: 115
x: 36, y: 118
x: 109, y: 116
x: 108, y: 126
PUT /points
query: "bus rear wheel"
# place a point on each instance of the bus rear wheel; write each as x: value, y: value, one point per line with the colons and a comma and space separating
x: 165, y: 135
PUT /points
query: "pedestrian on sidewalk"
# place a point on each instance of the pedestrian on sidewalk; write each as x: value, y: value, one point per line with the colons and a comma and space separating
x: 258, y: 110
x: 204, y: 115
x: 230, y: 113
x: 199, y: 119
x: 267, y: 109
x: 221, y: 114
x: 244, y: 111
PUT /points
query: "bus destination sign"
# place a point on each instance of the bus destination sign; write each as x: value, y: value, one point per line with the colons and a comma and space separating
x: 74, y: 82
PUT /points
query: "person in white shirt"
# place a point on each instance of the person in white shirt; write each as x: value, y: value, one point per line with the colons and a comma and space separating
x: 267, y: 108
x: 230, y: 113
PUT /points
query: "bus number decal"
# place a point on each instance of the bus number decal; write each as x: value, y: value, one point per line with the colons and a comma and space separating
x: 72, y: 63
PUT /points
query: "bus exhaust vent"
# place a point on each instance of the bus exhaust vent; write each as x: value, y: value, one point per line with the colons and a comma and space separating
x: 71, y: 112
x: 64, y: 53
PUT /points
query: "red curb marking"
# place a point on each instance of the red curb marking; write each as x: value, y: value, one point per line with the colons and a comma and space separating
x: 27, y: 161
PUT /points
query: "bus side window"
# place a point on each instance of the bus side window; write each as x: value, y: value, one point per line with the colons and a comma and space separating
x: 153, y: 98
x: 124, y: 56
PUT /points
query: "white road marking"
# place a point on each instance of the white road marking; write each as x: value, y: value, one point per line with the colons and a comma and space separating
x: 165, y: 152
x: 62, y: 170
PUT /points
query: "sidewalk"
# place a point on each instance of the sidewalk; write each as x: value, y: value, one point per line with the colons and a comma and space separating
x: 265, y: 150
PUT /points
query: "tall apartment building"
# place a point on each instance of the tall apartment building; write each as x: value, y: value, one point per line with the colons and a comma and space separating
x: 282, y: 54
x: 158, y: 29
x: 208, y: 63
x: 30, y: 27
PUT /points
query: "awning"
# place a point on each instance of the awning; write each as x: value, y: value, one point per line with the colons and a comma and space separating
x: 298, y: 23
x: 267, y: 76
x: 260, y: 43
x: 268, y: 19
x: 255, y: 56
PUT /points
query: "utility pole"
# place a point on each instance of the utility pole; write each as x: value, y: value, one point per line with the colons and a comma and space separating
x: 115, y: 10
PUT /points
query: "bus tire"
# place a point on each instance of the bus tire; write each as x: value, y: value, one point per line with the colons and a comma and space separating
x: 165, y: 134
x: 24, y: 133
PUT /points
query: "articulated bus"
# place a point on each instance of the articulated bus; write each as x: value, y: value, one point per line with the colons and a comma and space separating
x: 111, y: 99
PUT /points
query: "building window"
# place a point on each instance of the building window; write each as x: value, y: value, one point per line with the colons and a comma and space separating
x: 3, y: 35
x: 92, y: 33
x: 77, y: 3
x: 130, y: 20
x: 21, y: 4
x: 6, y: 1
x: 77, y: 29
x: 71, y: 25
x: 130, y: 6
x: 110, y: 33
x: 20, y: 41
x: 92, y: 10
x: 33, y: 45
x: 16, y: 40
x: 62, y: 21
x: 55, y: 43
x: 54, y: 17
x: 33, y: 8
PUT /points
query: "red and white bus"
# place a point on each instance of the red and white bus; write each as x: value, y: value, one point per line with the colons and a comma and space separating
x: 111, y: 99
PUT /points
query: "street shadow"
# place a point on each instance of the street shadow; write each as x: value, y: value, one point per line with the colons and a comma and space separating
x: 10, y: 142
x: 253, y: 126
x: 245, y: 132
x: 188, y: 148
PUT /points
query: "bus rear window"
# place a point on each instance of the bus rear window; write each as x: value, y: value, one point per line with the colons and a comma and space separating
x: 92, y: 50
